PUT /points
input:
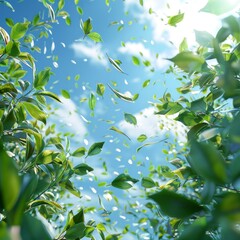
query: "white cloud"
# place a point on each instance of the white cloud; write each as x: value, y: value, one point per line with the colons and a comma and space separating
x: 138, y: 49
x: 162, y: 32
x: 149, y: 123
x: 91, y: 51
x: 68, y: 118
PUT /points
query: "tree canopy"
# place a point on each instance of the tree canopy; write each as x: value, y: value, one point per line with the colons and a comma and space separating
x: 44, y: 166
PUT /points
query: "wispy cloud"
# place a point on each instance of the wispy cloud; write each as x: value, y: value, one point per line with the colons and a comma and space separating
x: 150, y: 124
x: 67, y: 117
x: 161, y: 31
x: 90, y: 51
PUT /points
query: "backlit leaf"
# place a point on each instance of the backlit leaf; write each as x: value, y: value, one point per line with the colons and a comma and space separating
x: 174, y: 20
x: 142, y: 138
x: 19, y: 30
x: 118, y: 131
x: 65, y: 94
x: 100, y: 89
x: 79, y: 152
x: 135, y: 60
x: 96, y: 37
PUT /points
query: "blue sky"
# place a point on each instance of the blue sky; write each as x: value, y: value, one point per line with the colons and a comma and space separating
x: 69, y: 55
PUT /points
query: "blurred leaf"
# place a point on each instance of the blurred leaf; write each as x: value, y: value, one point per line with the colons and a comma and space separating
x: 39, y: 202
x: 135, y: 60
x: 208, y: 162
x: 96, y: 37
x: 188, y: 61
x: 174, y: 20
x: 70, y: 187
x: 147, y: 182
x: 208, y: 192
x: 119, y: 131
x: 92, y: 101
x: 149, y: 144
x: 32, y: 228
x: 142, y: 138
x: 79, y: 10
x: 141, y: 2
x: 96, y: 148
x: 9, y: 180
x: 122, y: 181
x: 130, y: 118
x: 100, y: 89
x: 65, y: 94
x: 169, y: 108
x: 76, y: 231
x: 204, y: 38
x: 175, y: 205
x: 219, y: 7
x: 196, y: 229
x: 183, y: 45
x: 146, y: 83
x: 79, y: 152
x: 82, y: 169
x: 209, y: 133
x: 8, y: 4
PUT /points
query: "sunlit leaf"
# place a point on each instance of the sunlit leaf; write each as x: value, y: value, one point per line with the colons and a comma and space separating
x: 79, y: 152
x: 65, y: 94
x: 135, y: 60
x: 118, y: 131
x: 92, y: 101
x: 96, y: 37
x: 100, y: 89
x: 19, y: 30
x: 219, y: 7
x: 174, y: 20
x: 86, y: 26
x: 142, y: 138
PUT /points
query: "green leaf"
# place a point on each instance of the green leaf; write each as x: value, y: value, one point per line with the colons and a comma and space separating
x: 61, y: 4
x: 76, y: 231
x: 141, y: 2
x: 100, y: 89
x: 122, y: 181
x: 82, y: 169
x: 79, y: 10
x: 19, y: 30
x: 169, y: 108
x: 48, y: 94
x: 7, y: 88
x: 96, y: 37
x: 96, y: 148
x: 79, y: 152
x: 208, y: 162
x: 146, y: 83
x: 196, y: 229
x: 42, y: 78
x: 149, y: 144
x: 39, y: 202
x: 70, y: 187
x: 86, y: 26
x: 175, y: 205
x: 46, y: 157
x: 13, y: 49
x: 183, y: 45
x: 119, y: 131
x: 68, y: 20
x: 65, y: 94
x: 142, y: 138
x: 9, y: 22
x: 115, y: 65
x: 4, y: 35
x: 135, y: 60
x: 204, y: 38
x: 9, y: 180
x: 107, y: 2
x: 122, y: 96
x: 92, y: 101
x: 174, y: 20
x: 147, y: 182
x: 188, y: 61
x: 130, y: 118
x: 32, y: 228
x: 219, y: 7
x: 188, y: 118
x: 34, y: 111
